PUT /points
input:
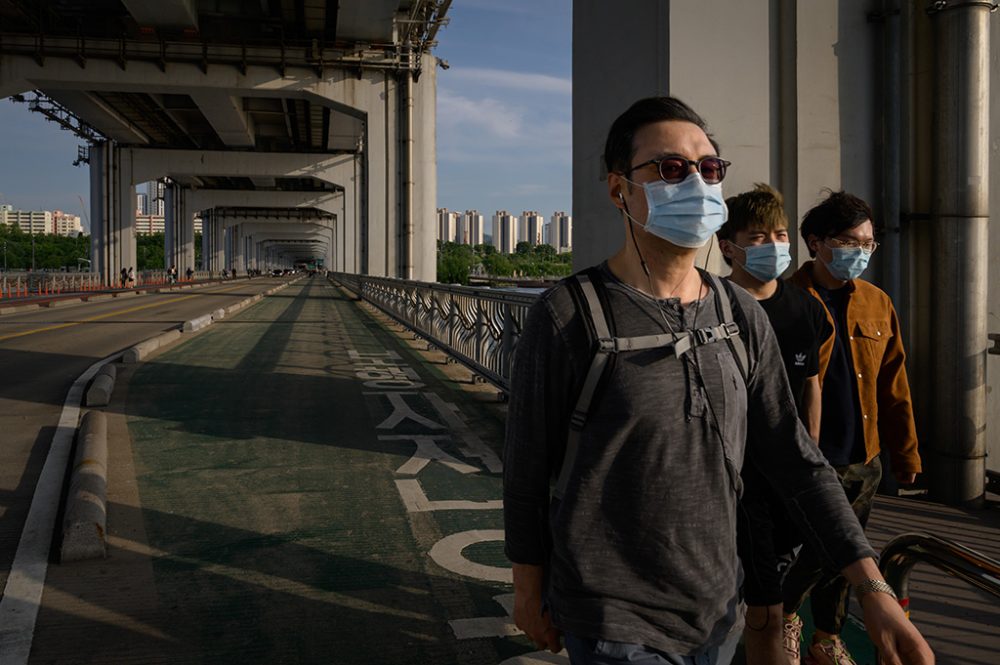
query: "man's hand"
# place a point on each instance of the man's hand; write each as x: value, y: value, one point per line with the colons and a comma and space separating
x: 905, y: 477
x: 528, y: 614
x: 897, y: 640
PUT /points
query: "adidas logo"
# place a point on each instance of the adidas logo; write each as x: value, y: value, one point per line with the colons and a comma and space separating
x: 800, y: 359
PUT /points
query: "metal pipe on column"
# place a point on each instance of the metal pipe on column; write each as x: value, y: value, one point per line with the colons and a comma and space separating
x: 892, y: 267
x: 960, y: 218
x: 407, y: 253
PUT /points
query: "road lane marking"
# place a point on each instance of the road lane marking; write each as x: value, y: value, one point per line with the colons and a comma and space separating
x: 109, y: 315
x: 23, y: 594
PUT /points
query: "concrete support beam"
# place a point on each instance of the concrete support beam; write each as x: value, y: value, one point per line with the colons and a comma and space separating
x: 164, y: 13
x: 204, y: 199
x: 151, y: 163
x: 226, y: 115
x: 100, y: 116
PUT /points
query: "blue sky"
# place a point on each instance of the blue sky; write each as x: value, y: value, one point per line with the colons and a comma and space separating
x: 504, y: 122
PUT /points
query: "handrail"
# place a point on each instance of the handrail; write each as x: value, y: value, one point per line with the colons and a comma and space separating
x: 995, y: 349
x: 478, y: 327
x: 906, y: 550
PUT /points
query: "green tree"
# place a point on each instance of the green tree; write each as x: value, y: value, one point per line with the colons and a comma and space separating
x: 455, y: 262
x: 544, y: 252
x: 522, y: 248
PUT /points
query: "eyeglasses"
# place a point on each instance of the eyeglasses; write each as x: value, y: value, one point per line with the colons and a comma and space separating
x: 675, y: 169
x: 868, y: 246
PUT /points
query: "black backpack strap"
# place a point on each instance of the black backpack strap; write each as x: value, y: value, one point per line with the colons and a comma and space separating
x: 602, y: 355
x: 724, y: 309
x: 587, y: 285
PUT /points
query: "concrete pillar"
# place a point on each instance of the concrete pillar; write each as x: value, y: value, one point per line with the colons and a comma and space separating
x: 206, y: 242
x: 229, y: 254
x: 218, y: 244
x: 112, y: 239
x: 178, y: 225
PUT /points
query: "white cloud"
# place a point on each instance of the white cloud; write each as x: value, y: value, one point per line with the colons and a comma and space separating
x: 504, y: 78
x: 496, y: 118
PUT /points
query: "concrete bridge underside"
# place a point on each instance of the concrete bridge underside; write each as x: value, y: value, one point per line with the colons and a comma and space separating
x: 330, y: 109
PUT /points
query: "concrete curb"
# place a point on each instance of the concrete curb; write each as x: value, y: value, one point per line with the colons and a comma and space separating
x: 85, y: 521
x: 142, y: 349
x: 218, y: 314
x: 17, y: 309
x: 103, y: 385
x: 197, y: 323
x: 63, y: 302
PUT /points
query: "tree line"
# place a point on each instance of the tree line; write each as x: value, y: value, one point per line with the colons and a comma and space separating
x: 55, y: 252
x: 456, y: 263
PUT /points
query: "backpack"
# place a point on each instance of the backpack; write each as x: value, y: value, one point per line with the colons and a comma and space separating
x: 588, y: 290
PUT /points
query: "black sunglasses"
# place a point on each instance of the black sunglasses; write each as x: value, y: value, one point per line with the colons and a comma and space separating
x: 675, y: 169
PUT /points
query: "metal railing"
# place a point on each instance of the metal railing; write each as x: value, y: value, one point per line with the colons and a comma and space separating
x: 478, y: 327
x: 27, y: 284
x: 906, y: 550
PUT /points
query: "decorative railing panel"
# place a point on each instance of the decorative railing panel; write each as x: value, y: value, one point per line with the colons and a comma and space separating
x: 479, y: 327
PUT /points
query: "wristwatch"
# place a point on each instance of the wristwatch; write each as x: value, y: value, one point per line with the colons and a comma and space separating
x: 874, y: 586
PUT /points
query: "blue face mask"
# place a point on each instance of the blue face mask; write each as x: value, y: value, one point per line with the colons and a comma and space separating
x: 847, y: 262
x: 767, y: 261
x: 687, y: 213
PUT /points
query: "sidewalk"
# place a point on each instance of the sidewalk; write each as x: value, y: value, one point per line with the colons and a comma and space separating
x: 300, y: 487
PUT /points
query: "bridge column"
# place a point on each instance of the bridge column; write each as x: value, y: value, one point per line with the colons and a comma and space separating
x: 206, y: 241
x: 112, y: 212
x: 178, y: 226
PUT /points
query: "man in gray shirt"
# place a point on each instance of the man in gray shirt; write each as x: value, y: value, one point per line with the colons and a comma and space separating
x: 634, y: 560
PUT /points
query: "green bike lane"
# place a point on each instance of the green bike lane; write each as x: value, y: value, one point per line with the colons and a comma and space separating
x: 306, y: 489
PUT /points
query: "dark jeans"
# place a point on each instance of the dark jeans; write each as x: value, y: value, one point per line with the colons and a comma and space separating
x: 828, y: 597
x: 584, y: 651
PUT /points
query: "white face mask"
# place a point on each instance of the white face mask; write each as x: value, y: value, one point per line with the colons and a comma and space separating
x: 767, y: 261
x: 687, y: 213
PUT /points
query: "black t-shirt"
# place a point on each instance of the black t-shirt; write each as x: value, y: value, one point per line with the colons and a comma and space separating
x: 801, y: 327
x: 842, y: 437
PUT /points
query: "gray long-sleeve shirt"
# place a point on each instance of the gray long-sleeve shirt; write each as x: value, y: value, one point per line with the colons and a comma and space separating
x: 642, y: 548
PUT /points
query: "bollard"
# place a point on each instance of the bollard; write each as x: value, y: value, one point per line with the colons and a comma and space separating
x: 99, y: 393
x: 85, y: 521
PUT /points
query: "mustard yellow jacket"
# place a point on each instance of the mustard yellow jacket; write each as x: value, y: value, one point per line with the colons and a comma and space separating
x: 880, y: 363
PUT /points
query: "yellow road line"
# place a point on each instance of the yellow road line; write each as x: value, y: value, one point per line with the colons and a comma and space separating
x: 110, y: 314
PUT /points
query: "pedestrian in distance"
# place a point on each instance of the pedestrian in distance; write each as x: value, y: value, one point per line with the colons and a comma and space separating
x: 639, y: 388
x: 189, y: 273
x: 123, y: 277
x: 866, y: 399
x: 754, y: 242
x: 131, y: 277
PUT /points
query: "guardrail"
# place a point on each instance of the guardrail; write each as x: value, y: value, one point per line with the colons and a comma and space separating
x: 906, y: 550
x: 25, y: 284
x: 479, y: 327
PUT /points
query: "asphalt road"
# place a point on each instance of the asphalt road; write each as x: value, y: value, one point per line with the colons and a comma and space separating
x: 43, y: 351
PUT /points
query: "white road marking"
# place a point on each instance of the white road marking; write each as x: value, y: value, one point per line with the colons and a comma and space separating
x: 416, y: 500
x: 23, y: 594
x: 427, y: 451
x: 447, y: 553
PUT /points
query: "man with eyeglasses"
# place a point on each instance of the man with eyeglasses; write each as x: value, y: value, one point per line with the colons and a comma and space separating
x: 620, y: 513
x: 865, y: 400
x: 754, y: 242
